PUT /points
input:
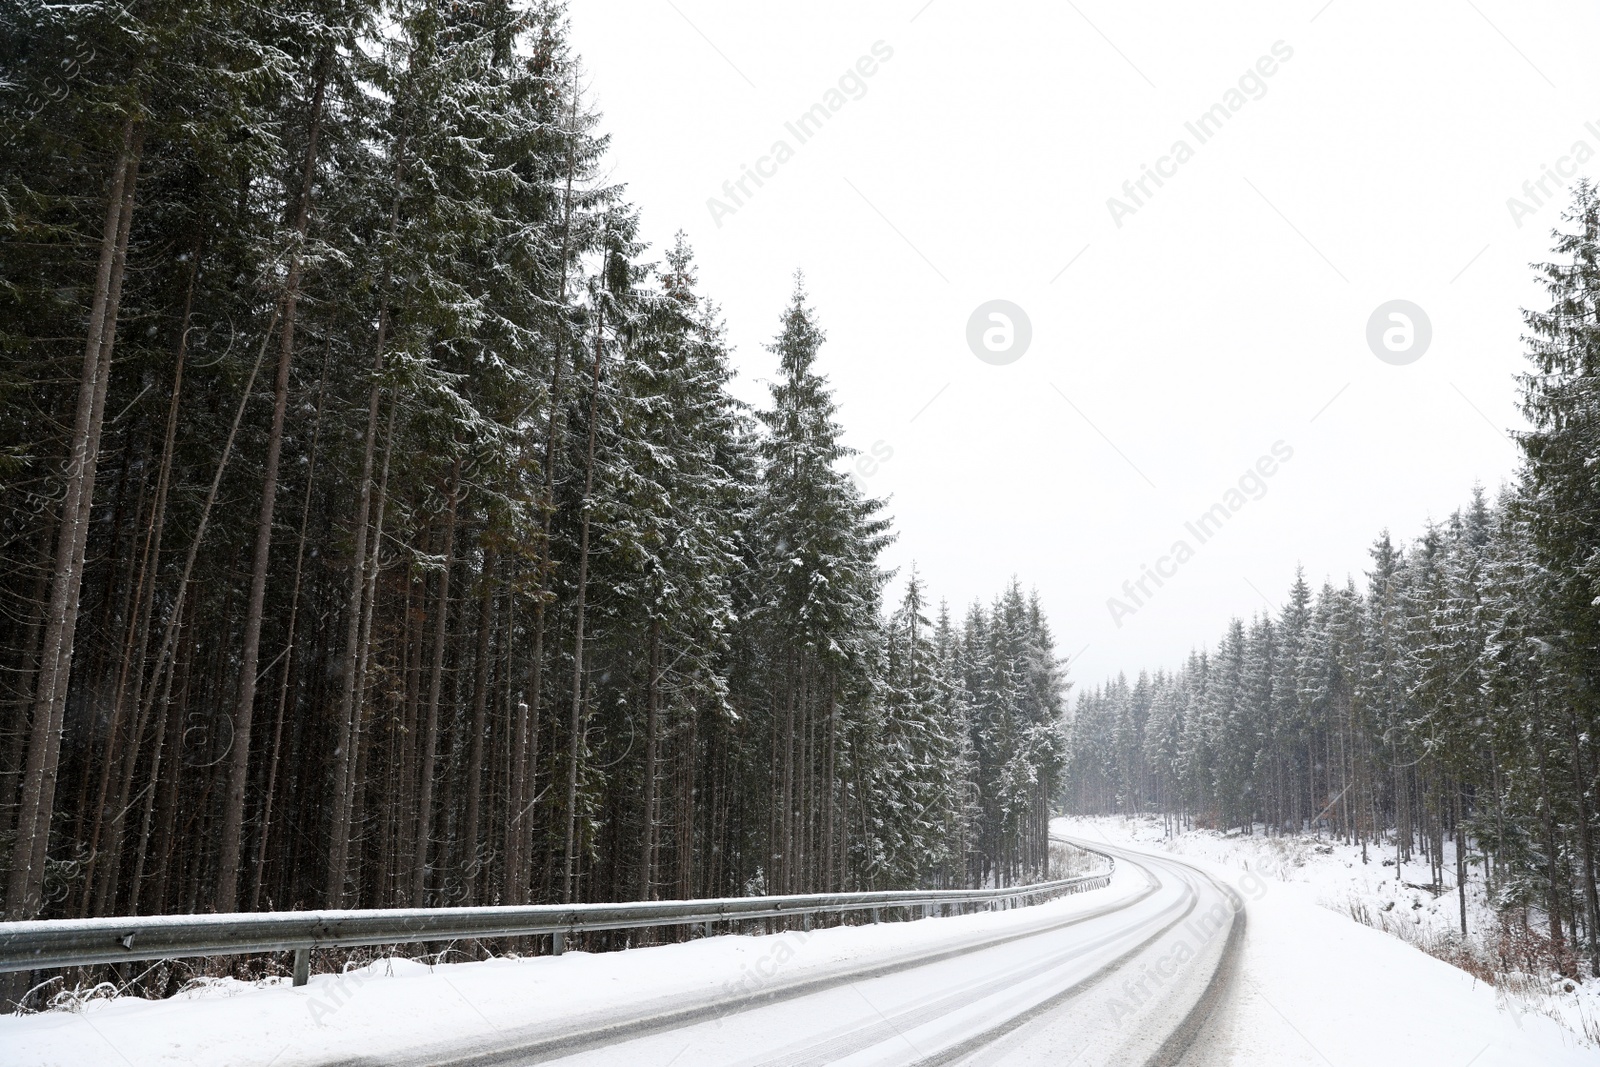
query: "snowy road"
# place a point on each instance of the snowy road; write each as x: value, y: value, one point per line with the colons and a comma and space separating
x: 1125, y: 975
x: 1111, y: 976
x: 1124, y: 983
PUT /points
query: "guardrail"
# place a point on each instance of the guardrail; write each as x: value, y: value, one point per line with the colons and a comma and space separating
x: 53, y: 943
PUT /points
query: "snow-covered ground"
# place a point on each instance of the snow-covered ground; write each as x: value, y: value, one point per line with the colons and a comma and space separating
x: 1317, y: 987
x: 1309, y: 985
x: 398, y: 1005
x: 1368, y: 891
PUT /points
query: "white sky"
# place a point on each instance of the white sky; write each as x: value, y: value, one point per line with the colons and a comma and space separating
x: 1221, y: 317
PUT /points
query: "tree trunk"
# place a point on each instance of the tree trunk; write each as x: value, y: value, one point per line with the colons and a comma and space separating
x: 430, y: 735
x: 520, y: 824
x: 574, y: 747
x: 164, y: 701
x: 652, y: 700
x: 830, y: 880
x: 362, y: 585
x: 689, y: 748
x: 24, y: 889
x: 480, y: 697
x: 1461, y: 859
x: 785, y: 867
x: 132, y: 668
x: 1585, y: 848
x: 225, y: 899
x: 1552, y: 858
x: 521, y: 766
x: 522, y: 776
x: 271, y: 783
x: 157, y: 690
x: 32, y: 634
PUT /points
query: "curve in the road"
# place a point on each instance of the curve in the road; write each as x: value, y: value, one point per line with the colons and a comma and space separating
x: 1093, y: 986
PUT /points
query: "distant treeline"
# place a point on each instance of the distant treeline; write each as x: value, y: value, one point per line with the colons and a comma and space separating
x: 1455, y: 696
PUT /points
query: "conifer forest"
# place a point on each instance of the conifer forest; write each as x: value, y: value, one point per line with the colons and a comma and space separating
x: 377, y: 527
x: 1451, y: 695
x: 703, y: 533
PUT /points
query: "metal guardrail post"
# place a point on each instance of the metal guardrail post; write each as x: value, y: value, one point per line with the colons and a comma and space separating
x: 302, y: 966
x: 558, y: 942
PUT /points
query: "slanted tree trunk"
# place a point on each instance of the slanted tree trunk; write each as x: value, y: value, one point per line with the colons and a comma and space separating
x: 159, y: 691
x: 130, y: 683
x: 356, y: 774
x: 343, y: 752
x: 270, y: 786
x: 32, y: 635
x: 164, y: 702
x: 25, y: 885
x: 123, y: 611
x: 225, y: 897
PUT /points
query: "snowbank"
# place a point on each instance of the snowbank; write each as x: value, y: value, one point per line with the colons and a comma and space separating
x: 400, y: 1004
x: 1316, y: 987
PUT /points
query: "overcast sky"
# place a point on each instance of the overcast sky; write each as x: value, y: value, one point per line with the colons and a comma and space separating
x: 1363, y: 153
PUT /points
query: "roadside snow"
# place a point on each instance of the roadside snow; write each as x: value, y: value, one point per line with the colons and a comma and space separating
x: 1313, y: 987
x: 397, y: 1005
x: 1316, y: 987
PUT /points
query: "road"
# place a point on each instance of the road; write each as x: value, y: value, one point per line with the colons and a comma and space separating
x: 1129, y: 983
